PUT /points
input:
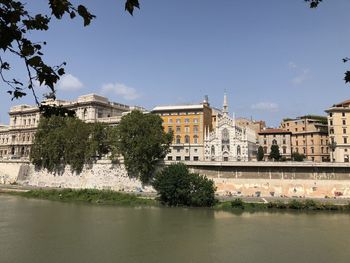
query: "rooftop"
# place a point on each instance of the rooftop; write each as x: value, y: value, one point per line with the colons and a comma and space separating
x: 273, y: 131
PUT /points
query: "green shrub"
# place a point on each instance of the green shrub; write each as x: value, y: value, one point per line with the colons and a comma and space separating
x: 295, y: 204
x: 237, y: 203
x: 177, y: 187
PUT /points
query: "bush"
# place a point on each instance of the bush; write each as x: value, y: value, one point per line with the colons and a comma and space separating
x: 298, y: 157
x: 177, y: 187
x: 237, y: 203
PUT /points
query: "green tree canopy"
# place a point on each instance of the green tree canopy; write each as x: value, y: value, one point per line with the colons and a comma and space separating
x: 275, y: 153
x: 176, y: 186
x: 62, y: 140
x: 141, y: 140
x: 260, y: 155
x: 16, y: 26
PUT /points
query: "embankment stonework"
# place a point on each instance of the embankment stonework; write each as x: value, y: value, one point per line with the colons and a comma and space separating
x: 237, y: 179
x: 99, y: 176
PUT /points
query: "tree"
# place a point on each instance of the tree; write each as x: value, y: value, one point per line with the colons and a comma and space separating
x: 275, y: 153
x: 16, y: 25
x: 260, y: 155
x: 62, y: 140
x: 99, y: 140
x: 298, y: 157
x: 177, y: 187
x: 141, y: 140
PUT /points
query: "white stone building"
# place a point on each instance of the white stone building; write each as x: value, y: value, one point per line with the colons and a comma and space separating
x: 227, y: 141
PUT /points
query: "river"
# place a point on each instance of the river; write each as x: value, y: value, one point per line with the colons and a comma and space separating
x: 35, y: 231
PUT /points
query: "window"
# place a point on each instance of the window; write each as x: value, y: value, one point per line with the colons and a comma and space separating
x: 322, y: 150
x: 345, y: 140
x: 343, y: 114
x: 195, y: 158
x: 274, y: 142
x: 24, y: 122
x: 195, y: 129
x: 187, y: 139
x: 284, y: 149
x: 284, y: 141
x: 331, y: 123
x: 195, y: 139
x: 170, y: 129
x: 312, y: 150
x: 265, y: 142
x: 178, y: 120
x: 178, y: 150
x: 344, y: 122
x: 195, y: 120
x: 312, y: 142
x: 170, y: 120
x: 178, y: 139
x: 187, y: 129
x: 296, y: 129
x: 170, y: 158
x: 321, y: 141
x: 195, y: 150
x: 331, y: 131
x: 187, y: 158
x: 304, y: 150
x: 178, y: 129
x: 344, y: 131
x: 187, y: 120
x: 178, y: 158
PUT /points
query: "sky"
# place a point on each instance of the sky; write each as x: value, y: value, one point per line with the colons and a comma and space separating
x: 275, y: 59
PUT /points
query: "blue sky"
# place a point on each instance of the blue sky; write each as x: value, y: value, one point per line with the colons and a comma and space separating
x: 274, y: 58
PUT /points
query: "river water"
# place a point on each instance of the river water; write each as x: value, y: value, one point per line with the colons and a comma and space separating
x: 35, y: 231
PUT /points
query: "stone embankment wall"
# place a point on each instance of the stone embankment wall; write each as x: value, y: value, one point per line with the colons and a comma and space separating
x: 99, y: 176
x: 278, y: 179
x: 237, y: 179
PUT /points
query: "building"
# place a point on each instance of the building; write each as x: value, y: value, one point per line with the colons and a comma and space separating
x: 256, y: 126
x: 280, y: 137
x: 17, y: 138
x: 228, y: 141
x: 188, y: 124
x: 309, y: 136
x: 339, y: 131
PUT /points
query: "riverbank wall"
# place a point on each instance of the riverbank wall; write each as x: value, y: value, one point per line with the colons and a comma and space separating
x: 264, y: 179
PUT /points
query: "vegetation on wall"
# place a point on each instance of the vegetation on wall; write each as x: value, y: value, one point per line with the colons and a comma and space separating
x: 176, y: 186
x: 298, y: 157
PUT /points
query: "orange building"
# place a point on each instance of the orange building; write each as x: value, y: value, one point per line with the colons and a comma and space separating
x: 189, y: 124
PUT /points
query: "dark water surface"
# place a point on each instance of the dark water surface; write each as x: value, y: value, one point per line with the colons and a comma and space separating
x: 36, y: 231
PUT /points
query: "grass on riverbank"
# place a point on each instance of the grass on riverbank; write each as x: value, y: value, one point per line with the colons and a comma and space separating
x: 294, y: 204
x: 107, y: 197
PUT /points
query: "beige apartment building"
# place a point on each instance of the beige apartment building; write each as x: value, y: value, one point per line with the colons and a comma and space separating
x: 280, y: 137
x: 256, y: 126
x: 309, y: 137
x: 17, y: 138
x: 339, y: 131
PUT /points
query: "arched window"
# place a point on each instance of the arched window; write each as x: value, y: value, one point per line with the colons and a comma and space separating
x: 274, y: 142
x: 225, y: 136
x: 178, y: 139
x: 187, y: 139
x: 195, y: 139
x: 213, y: 150
x: 238, y: 150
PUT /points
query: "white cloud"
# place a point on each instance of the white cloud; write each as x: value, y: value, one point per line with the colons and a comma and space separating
x: 69, y: 82
x: 121, y: 90
x: 265, y: 106
x: 291, y: 64
x: 302, y: 77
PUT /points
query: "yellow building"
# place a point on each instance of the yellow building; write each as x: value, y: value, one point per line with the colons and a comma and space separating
x: 309, y: 137
x: 339, y: 131
x: 189, y: 124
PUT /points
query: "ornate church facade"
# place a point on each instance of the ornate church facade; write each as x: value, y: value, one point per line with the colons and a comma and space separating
x: 228, y: 141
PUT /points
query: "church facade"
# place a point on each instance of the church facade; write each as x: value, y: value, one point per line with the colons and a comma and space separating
x: 228, y: 142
